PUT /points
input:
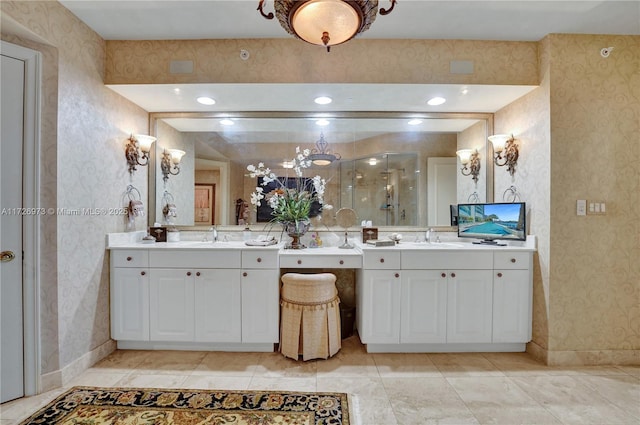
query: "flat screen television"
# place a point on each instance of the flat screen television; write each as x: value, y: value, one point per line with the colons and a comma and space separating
x: 492, y: 222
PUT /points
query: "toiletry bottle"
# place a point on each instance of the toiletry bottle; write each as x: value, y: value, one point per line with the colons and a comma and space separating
x: 246, y: 234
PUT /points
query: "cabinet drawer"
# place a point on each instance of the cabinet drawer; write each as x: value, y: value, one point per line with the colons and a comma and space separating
x: 426, y: 260
x: 130, y: 258
x: 205, y: 259
x: 511, y: 260
x: 320, y: 261
x: 260, y: 259
x: 382, y: 260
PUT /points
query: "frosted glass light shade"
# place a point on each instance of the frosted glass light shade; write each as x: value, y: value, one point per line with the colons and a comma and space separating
x: 176, y: 155
x: 144, y: 142
x: 498, y: 141
x: 335, y: 17
x: 465, y: 155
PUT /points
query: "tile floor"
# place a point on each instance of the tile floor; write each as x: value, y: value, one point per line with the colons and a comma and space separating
x: 386, y: 389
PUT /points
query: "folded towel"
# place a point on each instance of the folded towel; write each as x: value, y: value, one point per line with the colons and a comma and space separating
x: 261, y: 241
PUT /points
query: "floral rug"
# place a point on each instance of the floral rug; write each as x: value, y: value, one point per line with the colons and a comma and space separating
x: 142, y: 406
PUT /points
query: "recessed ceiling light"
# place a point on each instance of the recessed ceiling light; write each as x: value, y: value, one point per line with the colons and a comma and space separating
x: 435, y: 101
x: 414, y: 121
x: 373, y: 161
x: 226, y: 122
x: 323, y: 100
x: 176, y: 90
x: 322, y: 122
x: 205, y: 100
x: 464, y: 90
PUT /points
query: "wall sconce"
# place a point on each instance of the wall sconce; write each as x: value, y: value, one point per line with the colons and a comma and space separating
x: 137, y: 149
x: 505, y: 150
x: 471, y: 158
x: 170, y: 162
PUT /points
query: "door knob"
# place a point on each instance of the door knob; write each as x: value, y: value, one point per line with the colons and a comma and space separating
x: 6, y: 256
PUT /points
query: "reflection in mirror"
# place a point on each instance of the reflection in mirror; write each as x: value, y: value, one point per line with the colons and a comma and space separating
x: 389, y: 172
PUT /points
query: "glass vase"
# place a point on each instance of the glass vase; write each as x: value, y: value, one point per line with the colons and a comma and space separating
x: 295, y: 230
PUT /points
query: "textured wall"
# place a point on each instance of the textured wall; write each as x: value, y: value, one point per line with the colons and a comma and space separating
x: 84, y: 166
x: 290, y: 61
x: 595, y: 152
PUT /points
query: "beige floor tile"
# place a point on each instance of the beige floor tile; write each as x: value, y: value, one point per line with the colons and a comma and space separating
x: 498, y: 400
x: 422, y: 401
x: 20, y: 409
x: 275, y: 365
x: 464, y: 364
x: 170, y: 362
x: 631, y: 370
x: 572, y: 401
x: 147, y: 380
x: 411, y: 365
x: 345, y: 363
x: 283, y: 384
x: 207, y: 382
x: 228, y: 364
x: 368, y: 401
x: 622, y: 391
x: 97, y: 379
x: 523, y: 364
x: 120, y: 361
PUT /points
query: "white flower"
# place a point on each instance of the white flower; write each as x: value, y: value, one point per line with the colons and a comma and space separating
x: 327, y: 207
x: 256, y: 197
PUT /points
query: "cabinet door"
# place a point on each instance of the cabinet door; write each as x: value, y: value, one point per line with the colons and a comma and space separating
x: 512, y: 295
x: 171, y: 297
x: 130, y: 304
x: 424, y: 306
x: 469, y: 306
x: 260, y: 306
x: 380, y: 307
x: 217, y: 305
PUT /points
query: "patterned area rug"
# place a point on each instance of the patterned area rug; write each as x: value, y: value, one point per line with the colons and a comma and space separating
x: 142, y: 406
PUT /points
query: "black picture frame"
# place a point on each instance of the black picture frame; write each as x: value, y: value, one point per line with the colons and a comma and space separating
x: 263, y: 212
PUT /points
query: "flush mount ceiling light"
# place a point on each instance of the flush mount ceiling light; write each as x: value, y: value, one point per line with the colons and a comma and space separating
x: 204, y: 100
x: 325, y: 22
x: 415, y: 121
x: 435, y: 101
x: 226, y: 121
x: 322, y: 122
x: 323, y: 100
x: 322, y: 156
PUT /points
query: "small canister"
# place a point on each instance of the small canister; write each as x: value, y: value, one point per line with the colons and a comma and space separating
x: 173, y: 235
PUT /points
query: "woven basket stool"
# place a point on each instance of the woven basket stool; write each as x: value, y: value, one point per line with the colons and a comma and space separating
x: 310, y: 316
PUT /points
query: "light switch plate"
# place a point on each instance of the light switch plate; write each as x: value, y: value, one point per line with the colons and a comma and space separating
x: 581, y: 207
x: 597, y: 208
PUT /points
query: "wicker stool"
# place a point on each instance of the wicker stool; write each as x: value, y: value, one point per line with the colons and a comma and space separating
x: 310, y: 317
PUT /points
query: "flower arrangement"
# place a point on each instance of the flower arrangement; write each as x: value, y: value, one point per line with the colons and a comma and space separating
x: 291, y: 205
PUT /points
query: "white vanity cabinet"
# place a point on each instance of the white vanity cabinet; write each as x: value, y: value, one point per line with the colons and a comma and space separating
x: 130, y: 295
x: 512, y: 297
x: 195, y: 295
x: 260, y: 296
x: 378, y: 297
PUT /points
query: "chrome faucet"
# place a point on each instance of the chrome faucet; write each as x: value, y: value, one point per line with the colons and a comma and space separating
x: 214, y: 233
x: 427, y: 235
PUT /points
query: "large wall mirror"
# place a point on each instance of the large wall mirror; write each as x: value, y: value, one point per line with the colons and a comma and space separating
x: 394, y: 169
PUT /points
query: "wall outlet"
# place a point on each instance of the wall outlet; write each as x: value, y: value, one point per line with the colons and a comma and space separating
x: 581, y: 207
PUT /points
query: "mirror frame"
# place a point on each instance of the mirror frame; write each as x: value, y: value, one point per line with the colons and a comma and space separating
x: 487, y: 154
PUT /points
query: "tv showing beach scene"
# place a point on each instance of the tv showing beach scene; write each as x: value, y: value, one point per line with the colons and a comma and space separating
x: 492, y: 221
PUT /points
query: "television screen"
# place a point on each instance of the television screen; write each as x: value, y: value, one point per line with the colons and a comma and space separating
x: 491, y: 222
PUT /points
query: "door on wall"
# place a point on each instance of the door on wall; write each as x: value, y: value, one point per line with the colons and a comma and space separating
x: 441, y: 189
x: 11, y: 280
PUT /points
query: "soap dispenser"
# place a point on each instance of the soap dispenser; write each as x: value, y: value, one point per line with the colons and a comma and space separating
x: 246, y: 234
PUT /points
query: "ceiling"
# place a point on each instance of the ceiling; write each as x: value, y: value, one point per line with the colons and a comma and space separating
x: 415, y: 19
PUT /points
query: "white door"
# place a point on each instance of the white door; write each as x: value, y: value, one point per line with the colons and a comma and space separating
x: 469, y: 306
x: 11, y: 302
x: 423, y: 307
x: 171, y: 305
x: 130, y: 304
x: 217, y: 305
x: 381, y: 307
x: 441, y: 189
x: 260, y: 305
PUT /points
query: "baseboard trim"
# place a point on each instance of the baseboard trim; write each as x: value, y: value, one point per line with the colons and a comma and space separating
x: 61, y: 377
x: 585, y: 357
